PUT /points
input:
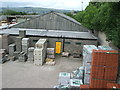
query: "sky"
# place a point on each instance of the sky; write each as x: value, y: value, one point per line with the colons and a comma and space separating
x: 56, y: 4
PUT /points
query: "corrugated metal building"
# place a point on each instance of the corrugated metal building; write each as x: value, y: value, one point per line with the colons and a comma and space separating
x: 52, y: 21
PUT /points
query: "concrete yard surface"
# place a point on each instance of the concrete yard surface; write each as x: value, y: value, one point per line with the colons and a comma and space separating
x: 27, y: 75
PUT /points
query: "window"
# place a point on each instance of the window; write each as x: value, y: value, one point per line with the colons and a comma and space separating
x: 78, y: 43
x: 67, y: 42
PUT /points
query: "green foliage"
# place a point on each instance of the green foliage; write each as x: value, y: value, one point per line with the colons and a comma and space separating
x: 37, y: 10
x: 11, y: 12
x: 70, y: 14
x: 103, y: 17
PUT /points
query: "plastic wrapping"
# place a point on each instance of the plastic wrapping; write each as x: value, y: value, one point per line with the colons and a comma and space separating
x: 104, y: 48
x: 78, y: 73
x: 87, y: 59
x: 64, y: 78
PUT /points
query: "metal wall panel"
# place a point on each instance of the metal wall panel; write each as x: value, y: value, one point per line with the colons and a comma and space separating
x: 51, y: 21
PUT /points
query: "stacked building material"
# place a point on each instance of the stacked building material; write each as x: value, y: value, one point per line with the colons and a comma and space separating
x: 12, y: 49
x: 18, y: 44
x: 104, y: 48
x: 84, y: 87
x: 64, y: 78
x: 40, y: 52
x: 50, y: 61
x: 113, y: 86
x: 2, y: 56
x: 12, y: 58
x: 22, y: 57
x: 25, y: 45
x: 65, y: 54
x: 50, y: 53
x: 22, y: 33
x: 78, y: 73
x: 104, y: 68
x: 39, y: 56
x: 16, y: 54
x: 75, y: 83
x: 41, y: 43
x: 31, y: 54
x: 5, y: 42
x: 1, y: 44
x: 87, y: 59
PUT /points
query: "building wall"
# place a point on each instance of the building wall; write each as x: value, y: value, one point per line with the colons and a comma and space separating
x: 51, y: 21
x: 75, y: 45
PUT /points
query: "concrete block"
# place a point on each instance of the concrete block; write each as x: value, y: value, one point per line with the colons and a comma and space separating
x: 22, y: 33
x: 22, y: 57
x: 12, y: 49
x: 25, y: 41
x: 42, y: 43
x: 16, y: 54
x: 39, y: 55
x: 18, y: 43
x: 5, y: 42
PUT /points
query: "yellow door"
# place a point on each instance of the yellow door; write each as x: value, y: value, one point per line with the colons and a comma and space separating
x: 58, y: 47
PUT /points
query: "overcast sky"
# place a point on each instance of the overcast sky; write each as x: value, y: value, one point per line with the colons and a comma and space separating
x: 57, y: 4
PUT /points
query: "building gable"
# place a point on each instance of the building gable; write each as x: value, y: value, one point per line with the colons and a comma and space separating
x: 52, y: 21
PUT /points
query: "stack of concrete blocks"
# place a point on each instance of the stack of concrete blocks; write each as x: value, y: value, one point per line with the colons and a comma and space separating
x: 64, y: 78
x: 5, y: 42
x: 31, y: 54
x: 50, y: 53
x: 41, y: 43
x: 18, y: 43
x: 40, y: 52
x: 12, y: 49
x: 2, y: 55
x: 22, y: 33
x: 22, y: 57
x: 104, y: 48
x: 38, y: 56
x: 87, y: 59
x: 25, y: 45
x: 1, y: 46
x: 16, y: 54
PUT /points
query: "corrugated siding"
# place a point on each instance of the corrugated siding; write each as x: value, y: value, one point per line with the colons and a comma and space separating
x: 51, y: 21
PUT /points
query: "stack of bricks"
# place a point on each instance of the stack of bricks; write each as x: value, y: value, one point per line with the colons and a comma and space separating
x: 113, y: 86
x: 104, y: 68
x: 31, y: 54
x: 25, y: 45
x: 84, y: 87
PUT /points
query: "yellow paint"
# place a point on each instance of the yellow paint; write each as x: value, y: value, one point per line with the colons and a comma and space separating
x: 58, y: 47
